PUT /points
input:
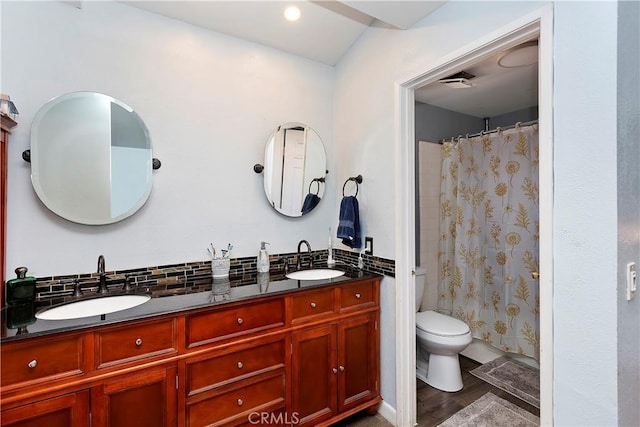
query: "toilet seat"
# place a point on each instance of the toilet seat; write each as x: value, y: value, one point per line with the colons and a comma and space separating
x: 439, y: 324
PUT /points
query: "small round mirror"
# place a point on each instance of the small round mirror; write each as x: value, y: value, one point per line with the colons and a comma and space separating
x: 91, y: 158
x: 295, y: 166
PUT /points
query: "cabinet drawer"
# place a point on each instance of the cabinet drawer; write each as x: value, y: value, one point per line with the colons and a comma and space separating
x: 42, y: 359
x: 234, y: 406
x: 217, y: 371
x: 357, y: 295
x: 214, y: 326
x: 310, y: 304
x: 129, y: 343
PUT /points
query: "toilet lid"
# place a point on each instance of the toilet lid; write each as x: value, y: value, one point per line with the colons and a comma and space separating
x: 440, y: 324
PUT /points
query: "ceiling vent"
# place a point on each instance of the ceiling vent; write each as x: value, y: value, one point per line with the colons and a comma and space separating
x: 461, y: 80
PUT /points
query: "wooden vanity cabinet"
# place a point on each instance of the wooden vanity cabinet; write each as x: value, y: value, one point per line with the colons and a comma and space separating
x: 335, y: 366
x: 308, y: 357
x: 147, y: 398
x: 225, y: 387
x: 69, y: 410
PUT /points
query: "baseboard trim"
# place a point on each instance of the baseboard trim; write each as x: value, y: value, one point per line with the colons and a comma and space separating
x: 388, y: 412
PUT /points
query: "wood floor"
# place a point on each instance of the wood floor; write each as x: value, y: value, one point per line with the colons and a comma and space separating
x: 435, y: 406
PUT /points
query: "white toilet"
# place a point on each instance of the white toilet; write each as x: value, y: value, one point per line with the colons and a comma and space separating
x: 439, y: 339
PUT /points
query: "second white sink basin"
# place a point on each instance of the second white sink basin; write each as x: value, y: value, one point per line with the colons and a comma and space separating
x: 315, y: 274
x: 92, y: 307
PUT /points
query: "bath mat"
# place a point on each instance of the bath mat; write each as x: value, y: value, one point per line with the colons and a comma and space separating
x: 492, y: 411
x: 512, y: 376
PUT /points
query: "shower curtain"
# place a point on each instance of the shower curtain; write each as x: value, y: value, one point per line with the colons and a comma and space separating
x: 489, y: 237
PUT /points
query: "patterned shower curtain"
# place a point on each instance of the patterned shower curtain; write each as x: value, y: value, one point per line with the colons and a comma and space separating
x: 489, y: 237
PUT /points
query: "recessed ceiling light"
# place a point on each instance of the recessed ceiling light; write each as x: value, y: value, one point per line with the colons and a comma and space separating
x: 292, y: 13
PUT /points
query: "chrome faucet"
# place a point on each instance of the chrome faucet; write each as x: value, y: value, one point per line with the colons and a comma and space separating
x: 299, y: 261
x: 102, y: 287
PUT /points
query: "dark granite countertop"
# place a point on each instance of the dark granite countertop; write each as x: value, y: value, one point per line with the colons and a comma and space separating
x: 19, y: 322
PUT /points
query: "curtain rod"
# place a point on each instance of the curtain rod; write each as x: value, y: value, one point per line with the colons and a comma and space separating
x: 499, y: 128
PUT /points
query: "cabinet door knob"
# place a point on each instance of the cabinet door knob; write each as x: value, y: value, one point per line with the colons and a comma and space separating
x: 240, y: 402
x: 240, y: 365
x: 341, y: 368
x: 335, y: 371
x: 358, y: 296
x: 139, y: 342
x: 313, y: 305
x: 32, y: 364
x: 240, y: 320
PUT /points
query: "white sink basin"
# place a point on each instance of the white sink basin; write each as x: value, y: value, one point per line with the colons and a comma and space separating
x: 315, y: 274
x: 92, y: 307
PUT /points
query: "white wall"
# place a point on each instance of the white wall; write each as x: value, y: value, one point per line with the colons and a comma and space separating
x: 585, y: 217
x: 210, y: 102
x: 584, y: 170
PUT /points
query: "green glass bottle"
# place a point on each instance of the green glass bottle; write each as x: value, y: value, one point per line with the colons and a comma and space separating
x: 21, y: 289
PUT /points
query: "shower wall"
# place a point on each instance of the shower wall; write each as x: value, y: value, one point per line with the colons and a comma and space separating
x: 430, y: 159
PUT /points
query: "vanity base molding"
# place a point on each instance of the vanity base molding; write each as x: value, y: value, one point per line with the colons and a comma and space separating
x: 309, y: 356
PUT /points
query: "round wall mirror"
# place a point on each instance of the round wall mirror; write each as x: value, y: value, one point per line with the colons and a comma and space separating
x: 91, y: 158
x: 295, y: 166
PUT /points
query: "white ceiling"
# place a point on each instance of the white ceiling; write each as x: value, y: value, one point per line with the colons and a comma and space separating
x: 328, y: 28
x: 324, y: 32
x: 496, y: 90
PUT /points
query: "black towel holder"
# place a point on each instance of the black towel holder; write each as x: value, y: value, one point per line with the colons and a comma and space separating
x: 317, y: 181
x: 357, y: 180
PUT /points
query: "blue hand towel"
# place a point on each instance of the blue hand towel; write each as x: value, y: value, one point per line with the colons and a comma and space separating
x: 310, y: 202
x: 349, y: 222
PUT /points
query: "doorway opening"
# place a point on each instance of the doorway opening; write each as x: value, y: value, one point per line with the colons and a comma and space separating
x: 537, y: 26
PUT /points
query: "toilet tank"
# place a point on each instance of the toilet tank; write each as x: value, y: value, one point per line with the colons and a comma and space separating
x: 420, y: 282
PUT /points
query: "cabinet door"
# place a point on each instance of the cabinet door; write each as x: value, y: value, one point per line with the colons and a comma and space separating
x: 357, y: 366
x: 314, y: 374
x: 144, y: 399
x: 70, y: 410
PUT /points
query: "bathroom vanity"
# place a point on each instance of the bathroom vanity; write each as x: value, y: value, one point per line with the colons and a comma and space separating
x: 295, y: 352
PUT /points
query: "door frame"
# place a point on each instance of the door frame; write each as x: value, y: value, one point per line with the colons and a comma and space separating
x: 538, y: 23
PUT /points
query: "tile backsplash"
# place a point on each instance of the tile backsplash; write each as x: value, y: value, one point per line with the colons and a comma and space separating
x: 196, y: 276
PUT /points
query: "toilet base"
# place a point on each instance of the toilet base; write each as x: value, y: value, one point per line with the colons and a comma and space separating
x: 444, y: 372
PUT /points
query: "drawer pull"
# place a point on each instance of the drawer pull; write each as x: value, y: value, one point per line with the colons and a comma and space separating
x: 240, y: 320
x: 341, y: 368
x: 240, y: 365
x: 32, y: 364
x: 335, y: 371
x: 358, y: 296
x: 240, y: 402
x: 313, y: 305
x: 139, y: 342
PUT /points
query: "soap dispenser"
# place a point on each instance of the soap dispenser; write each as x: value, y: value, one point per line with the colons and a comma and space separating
x: 263, y: 258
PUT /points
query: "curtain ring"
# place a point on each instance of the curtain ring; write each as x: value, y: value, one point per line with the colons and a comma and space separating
x: 518, y: 125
